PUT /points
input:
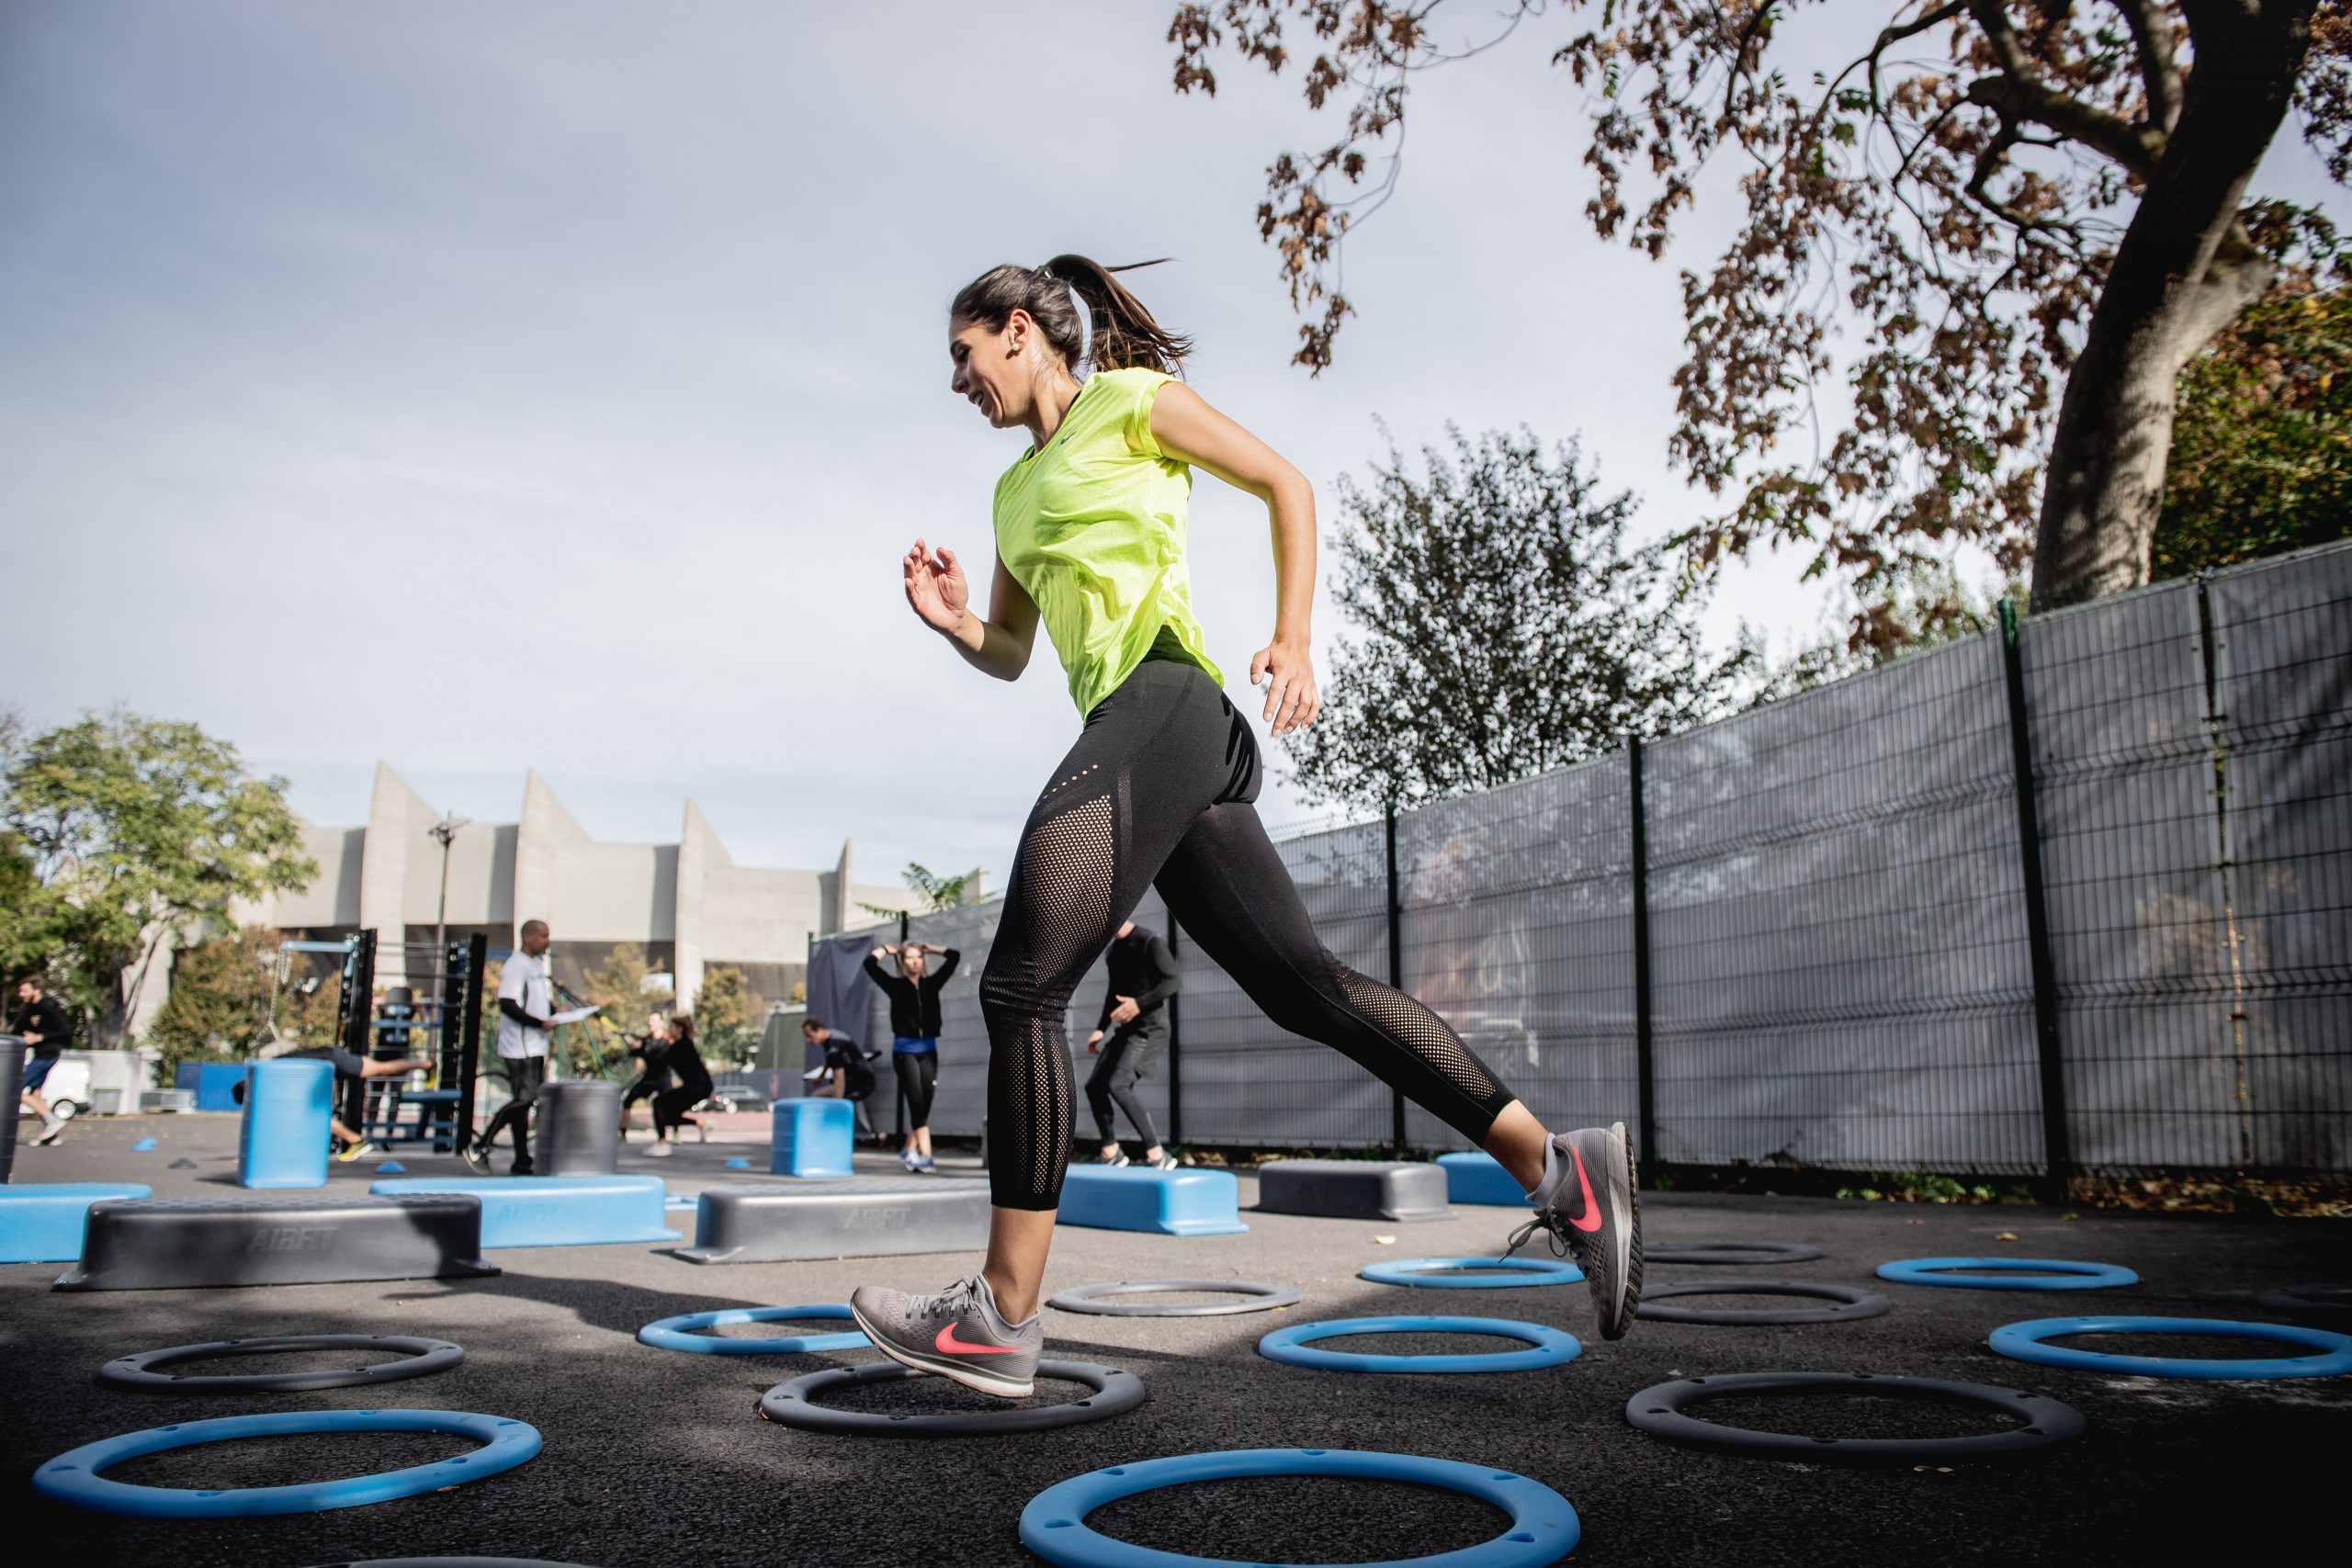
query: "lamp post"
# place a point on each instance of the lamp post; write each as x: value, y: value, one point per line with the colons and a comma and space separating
x: 444, y: 833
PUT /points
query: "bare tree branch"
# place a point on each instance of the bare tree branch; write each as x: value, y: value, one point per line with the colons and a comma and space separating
x: 2152, y: 35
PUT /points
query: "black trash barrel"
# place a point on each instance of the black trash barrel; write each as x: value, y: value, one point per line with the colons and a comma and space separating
x: 12, y: 1083
x: 579, y: 1128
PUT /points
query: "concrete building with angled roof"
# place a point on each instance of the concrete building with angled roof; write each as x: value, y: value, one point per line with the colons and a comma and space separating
x: 687, y: 903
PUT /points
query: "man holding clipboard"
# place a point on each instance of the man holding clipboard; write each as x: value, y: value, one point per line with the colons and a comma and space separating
x: 527, y: 1021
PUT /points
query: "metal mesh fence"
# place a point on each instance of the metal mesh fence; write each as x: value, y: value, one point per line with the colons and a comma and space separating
x: 1840, y: 971
x: 2283, y: 701
x: 1517, y: 930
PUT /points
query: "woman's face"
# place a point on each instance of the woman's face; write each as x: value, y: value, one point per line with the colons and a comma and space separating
x: 994, y: 372
x: 911, y: 961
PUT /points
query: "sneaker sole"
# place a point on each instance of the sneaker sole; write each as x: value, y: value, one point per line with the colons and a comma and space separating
x: 981, y: 1382
x: 1626, y: 1214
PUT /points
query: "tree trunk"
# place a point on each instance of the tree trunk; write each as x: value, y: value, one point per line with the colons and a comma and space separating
x: 2180, y: 275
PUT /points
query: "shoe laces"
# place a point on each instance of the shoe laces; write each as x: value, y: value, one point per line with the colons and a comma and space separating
x: 961, y: 1296
x: 1547, y: 1219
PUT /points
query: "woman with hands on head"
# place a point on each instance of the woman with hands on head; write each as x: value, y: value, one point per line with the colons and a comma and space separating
x: 914, y: 1033
x: 1158, y: 792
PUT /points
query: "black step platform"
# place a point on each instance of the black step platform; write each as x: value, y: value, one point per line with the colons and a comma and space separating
x: 1354, y: 1190
x: 157, y: 1243
x: 793, y: 1222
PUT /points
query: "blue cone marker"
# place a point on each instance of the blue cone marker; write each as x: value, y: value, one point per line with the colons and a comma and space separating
x: 390, y: 1168
x: 143, y: 1145
x: 738, y: 1163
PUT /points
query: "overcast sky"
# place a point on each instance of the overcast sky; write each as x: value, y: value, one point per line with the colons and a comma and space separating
x: 554, y: 385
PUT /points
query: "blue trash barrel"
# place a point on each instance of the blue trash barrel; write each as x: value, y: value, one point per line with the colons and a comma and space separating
x: 284, y: 1140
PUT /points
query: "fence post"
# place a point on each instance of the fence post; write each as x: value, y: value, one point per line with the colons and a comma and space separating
x: 1175, y: 1049
x: 1396, y: 967
x: 2057, y: 1151
x: 1645, y: 1064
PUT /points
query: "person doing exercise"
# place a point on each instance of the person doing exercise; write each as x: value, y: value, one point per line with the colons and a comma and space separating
x: 347, y: 1064
x: 670, y: 1107
x: 1158, y: 790
x: 843, y: 1073
x: 45, y: 1031
x: 652, y: 1076
x: 914, y: 1033
x: 1143, y: 976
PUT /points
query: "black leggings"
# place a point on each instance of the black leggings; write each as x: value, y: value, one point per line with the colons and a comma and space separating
x: 918, y: 1080
x: 670, y: 1107
x: 1158, y: 792
x: 1127, y: 1055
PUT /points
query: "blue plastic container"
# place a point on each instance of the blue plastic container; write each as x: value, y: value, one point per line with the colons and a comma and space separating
x: 1480, y: 1179
x: 1167, y: 1203
x: 556, y: 1211
x: 215, y: 1083
x: 288, y: 1106
x: 810, y: 1138
x: 42, y: 1222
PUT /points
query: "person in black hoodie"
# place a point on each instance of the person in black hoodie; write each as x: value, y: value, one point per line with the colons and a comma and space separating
x: 1143, y: 976
x: 914, y: 1029
x: 653, y: 1077
x: 670, y: 1107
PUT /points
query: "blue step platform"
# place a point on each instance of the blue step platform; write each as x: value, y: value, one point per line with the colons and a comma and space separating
x: 1170, y: 1203
x: 555, y: 1211
x: 288, y: 1105
x: 810, y: 1138
x: 1480, y: 1179
x: 42, y: 1222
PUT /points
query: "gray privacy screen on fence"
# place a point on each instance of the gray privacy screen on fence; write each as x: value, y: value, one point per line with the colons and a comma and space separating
x: 1838, y: 954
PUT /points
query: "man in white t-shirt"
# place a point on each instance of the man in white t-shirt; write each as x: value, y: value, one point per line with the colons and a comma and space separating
x: 525, y: 1011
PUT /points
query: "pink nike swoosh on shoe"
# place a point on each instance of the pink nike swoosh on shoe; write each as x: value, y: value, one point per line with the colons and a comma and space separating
x: 955, y: 1347
x: 1590, y: 1219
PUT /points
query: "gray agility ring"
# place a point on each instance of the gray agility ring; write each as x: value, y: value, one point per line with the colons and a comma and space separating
x: 1732, y: 1252
x: 2308, y: 1298
x: 1848, y: 1303
x: 1256, y: 1296
x: 419, y: 1357
x: 794, y: 1403
x: 1660, y: 1410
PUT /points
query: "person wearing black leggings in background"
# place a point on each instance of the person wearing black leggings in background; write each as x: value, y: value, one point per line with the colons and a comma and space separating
x: 670, y: 1107
x: 1143, y: 976
x: 652, y: 1076
x: 914, y: 1030
x: 1159, y: 791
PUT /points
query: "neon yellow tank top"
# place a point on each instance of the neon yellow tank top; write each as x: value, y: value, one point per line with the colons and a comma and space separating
x: 1093, y: 526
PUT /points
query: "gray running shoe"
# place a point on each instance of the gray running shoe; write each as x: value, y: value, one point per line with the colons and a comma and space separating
x: 477, y: 1158
x: 957, y: 1333
x: 51, y: 1130
x: 1587, y: 1203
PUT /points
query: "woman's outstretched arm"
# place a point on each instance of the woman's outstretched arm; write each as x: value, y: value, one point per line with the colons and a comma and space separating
x: 1188, y: 430
x: 940, y: 593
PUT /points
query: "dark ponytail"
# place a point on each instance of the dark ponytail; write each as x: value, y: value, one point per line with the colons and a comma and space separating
x: 1124, y: 335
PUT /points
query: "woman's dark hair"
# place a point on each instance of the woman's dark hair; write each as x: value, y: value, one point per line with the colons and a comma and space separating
x: 682, y: 1025
x: 812, y: 1023
x: 1124, y: 335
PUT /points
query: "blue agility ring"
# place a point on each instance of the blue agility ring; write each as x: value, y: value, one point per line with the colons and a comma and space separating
x: 2023, y: 1342
x: 1544, y: 1527
x: 678, y: 1333
x: 73, y: 1477
x: 1416, y: 1271
x: 1546, y: 1346
x: 2056, y: 1273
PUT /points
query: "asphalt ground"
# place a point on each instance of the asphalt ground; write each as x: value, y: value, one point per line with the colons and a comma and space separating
x: 656, y: 1458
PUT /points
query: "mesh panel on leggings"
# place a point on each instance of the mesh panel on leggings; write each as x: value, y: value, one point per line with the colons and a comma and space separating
x: 1419, y: 1030
x: 1064, y: 884
x: 1035, y: 1062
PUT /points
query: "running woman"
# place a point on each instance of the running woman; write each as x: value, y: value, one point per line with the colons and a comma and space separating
x: 1157, y: 791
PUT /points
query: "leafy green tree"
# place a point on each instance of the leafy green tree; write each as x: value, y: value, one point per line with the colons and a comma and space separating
x: 137, y: 828
x: 223, y: 992
x: 618, y: 986
x: 2262, y: 455
x: 1503, y: 626
x: 935, y: 891
x: 727, y: 1016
